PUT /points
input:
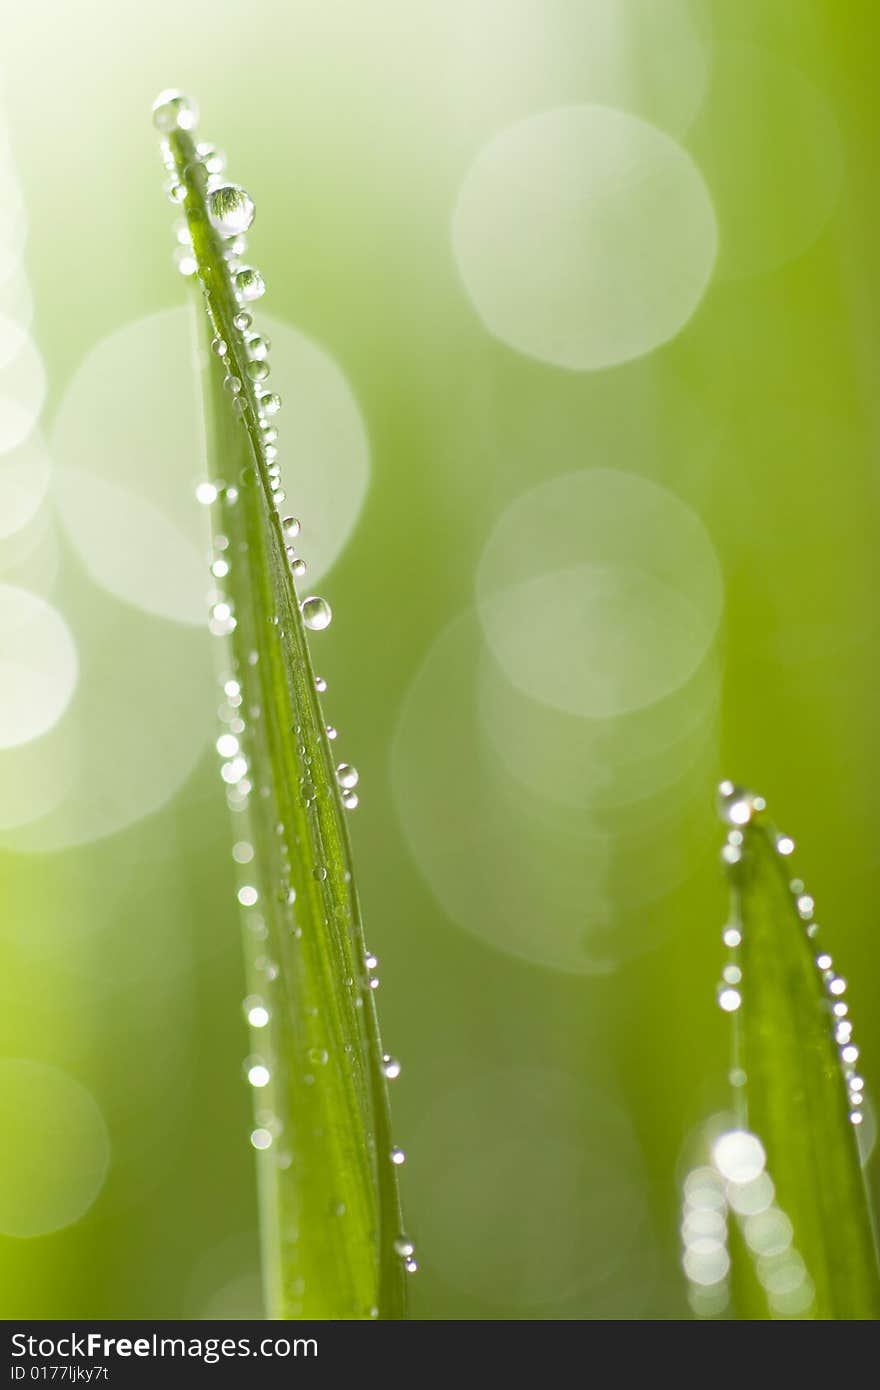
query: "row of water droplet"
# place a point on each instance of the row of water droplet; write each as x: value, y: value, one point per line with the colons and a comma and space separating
x: 230, y: 211
x: 739, y: 808
x: 736, y: 1180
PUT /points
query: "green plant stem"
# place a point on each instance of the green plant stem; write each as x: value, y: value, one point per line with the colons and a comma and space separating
x: 330, y: 1209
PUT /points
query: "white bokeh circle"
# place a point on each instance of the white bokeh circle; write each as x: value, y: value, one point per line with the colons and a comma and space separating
x: 22, y: 386
x: 552, y: 882
x: 56, y: 1149
x: 25, y: 474
x: 124, y: 745
x: 38, y: 666
x: 599, y: 592
x: 126, y: 474
x: 584, y: 236
x: 771, y: 149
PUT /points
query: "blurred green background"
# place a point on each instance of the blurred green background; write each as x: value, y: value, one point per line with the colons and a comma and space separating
x: 595, y: 478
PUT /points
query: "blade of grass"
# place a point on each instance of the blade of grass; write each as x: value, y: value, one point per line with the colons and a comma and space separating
x: 330, y: 1212
x: 795, y: 1076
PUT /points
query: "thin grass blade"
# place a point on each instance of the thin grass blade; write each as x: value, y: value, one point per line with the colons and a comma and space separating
x: 330, y: 1213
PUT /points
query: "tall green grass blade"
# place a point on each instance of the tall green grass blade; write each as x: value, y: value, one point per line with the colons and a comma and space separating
x: 796, y: 1081
x: 330, y: 1214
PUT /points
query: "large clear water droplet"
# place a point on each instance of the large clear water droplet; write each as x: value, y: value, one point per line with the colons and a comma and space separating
x: 270, y: 403
x: 230, y: 209
x: 347, y: 776
x: 249, y: 283
x: 316, y: 613
x: 257, y: 347
x: 173, y: 110
x: 291, y: 527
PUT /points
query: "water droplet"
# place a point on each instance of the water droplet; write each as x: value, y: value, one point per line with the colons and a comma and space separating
x: 257, y: 346
x: 391, y: 1067
x: 332, y: 733
x: 213, y: 159
x: 316, y: 613
x: 242, y: 321
x: 270, y: 402
x: 249, y: 283
x: 258, y: 371
x: 176, y: 191
x: 258, y: 1016
x: 261, y: 1138
x: 371, y: 961
x: 206, y: 493
x: 729, y: 1000
x: 232, y: 384
x: 411, y: 1266
x: 837, y: 985
x: 291, y: 528
x: 219, y: 346
x: 184, y: 259
x: 172, y: 110
x: 230, y: 209
x: 242, y: 852
x: 805, y: 906
x: 350, y: 801
x: 321, y: 686
x: 784, y: 844
x: 319, y: 873
x: 737, y: 806
x: 248, y: 895
x: 319, y: 1056
x: 298, y: 565
x: 731, y: 936
x: 227, y: 746
x: 258, y: 1075
x: 824, y: 961
x: 398, y: 1157
x: 404, y: 1247
x: 347, y: 776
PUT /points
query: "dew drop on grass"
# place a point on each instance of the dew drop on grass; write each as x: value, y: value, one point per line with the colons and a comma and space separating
x: 291, y: 528
x: 257, y: 346
x: 242, y: 321
x: 332, y: 732
x: 184, y: 259
x: 398, y: 1157
x: 319, y: 1056
x: 247, y: 895
x: 250, y: 285
x: 319, y: 873
x: 391, y: 1067
x: 321, y: 686
x: 206, y: 493
x: 316, y: 613
x: 347, y: 776
x: 261, y: 1138
x: 173, y: 110
x: 258, y: 371
x: 270, y: 403
x: 242, y: 852
x: 350, y: 801
x: 230, y: 209
x: 404, y: 1247
x: 736, y: 805
x: 258, y: 1075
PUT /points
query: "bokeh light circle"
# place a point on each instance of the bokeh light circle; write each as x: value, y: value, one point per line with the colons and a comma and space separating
x: 769, y: 144
x: 553, y: 883
x: 126, y: 475
x: 38, y: 666
x: 584, y: 236
x: 599, y: 592
x: 56, y: 1149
